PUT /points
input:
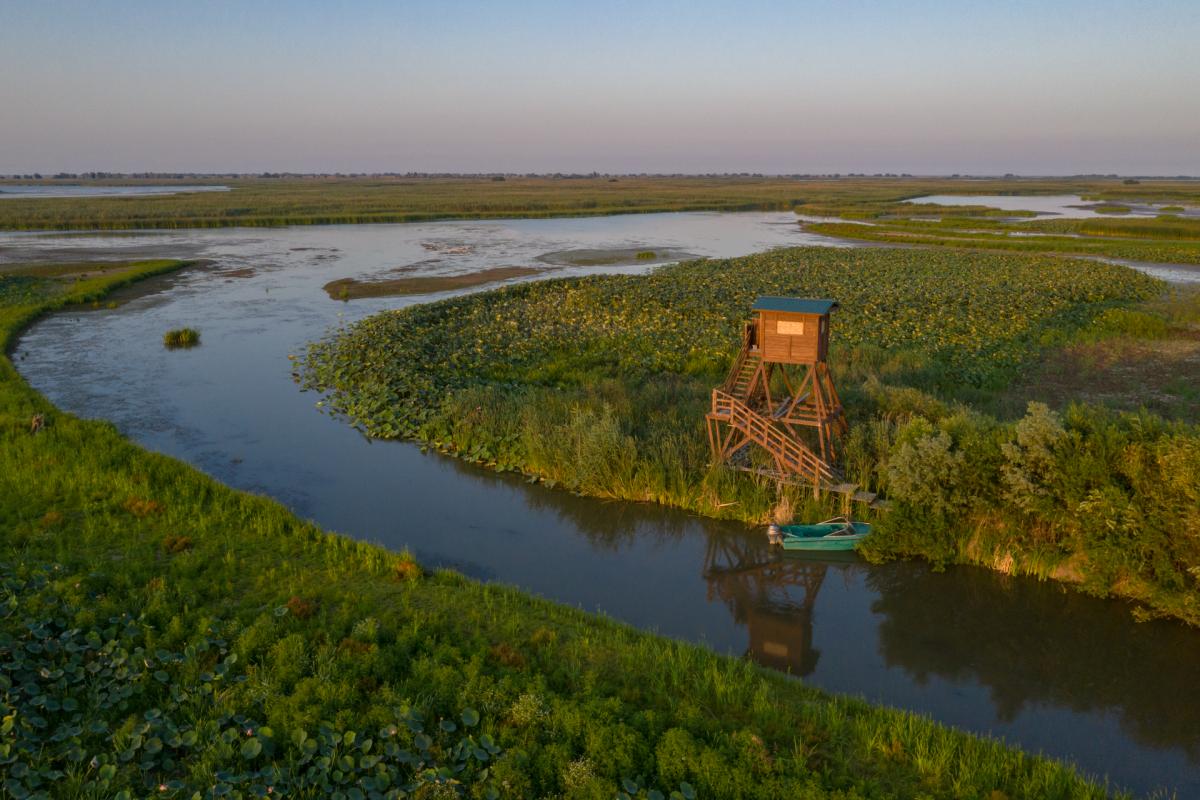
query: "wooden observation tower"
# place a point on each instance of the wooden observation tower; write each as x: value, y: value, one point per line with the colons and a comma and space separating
x: 779, y: 394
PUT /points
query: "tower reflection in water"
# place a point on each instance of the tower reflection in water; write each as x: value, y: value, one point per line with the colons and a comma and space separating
x: 772, y: 595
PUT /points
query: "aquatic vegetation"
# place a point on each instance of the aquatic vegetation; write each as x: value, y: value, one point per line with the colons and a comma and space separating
x: 600, y: 384
x: 135, y: 665
x: 972, y: 320
x: 181, y: 337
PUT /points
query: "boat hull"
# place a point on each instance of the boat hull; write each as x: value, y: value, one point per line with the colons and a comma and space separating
x: 824, y: 537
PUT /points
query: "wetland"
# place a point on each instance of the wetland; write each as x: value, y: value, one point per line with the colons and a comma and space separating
x: 964, y: 646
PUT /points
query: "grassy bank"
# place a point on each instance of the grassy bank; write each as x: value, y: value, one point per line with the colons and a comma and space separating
x: 600, y: 385
x: 163, y: 634
x: 311, y: 201
x: 1175, y: 244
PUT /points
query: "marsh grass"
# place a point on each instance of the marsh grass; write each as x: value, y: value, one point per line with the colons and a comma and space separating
x: 181, y: 338
x: 1144, y: 240
x: 262, y: 651
x: 255, y: 202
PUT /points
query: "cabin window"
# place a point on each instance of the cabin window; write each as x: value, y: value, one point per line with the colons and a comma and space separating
x: 790, y: 327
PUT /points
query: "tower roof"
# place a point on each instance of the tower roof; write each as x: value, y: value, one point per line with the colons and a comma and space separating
x: 795, y: 305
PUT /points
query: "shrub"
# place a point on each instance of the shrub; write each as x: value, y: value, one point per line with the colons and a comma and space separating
x: 1030, y: 469
x: 925, y: 470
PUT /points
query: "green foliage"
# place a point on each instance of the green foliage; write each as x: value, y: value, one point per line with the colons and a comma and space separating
x: 600, y: 385
x: 1140, y: 239
x: 116, y: 649
x: 92, y: 708
x: 1031, y: 459
x: 1129, y: 322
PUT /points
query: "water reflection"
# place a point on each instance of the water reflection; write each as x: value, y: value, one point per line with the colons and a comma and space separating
x: 772, y: 596
x: 1026, y: 643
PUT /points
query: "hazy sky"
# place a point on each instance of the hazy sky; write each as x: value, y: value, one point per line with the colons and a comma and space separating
x: 922, y: 87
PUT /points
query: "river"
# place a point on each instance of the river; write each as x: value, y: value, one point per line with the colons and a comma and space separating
x: 1040, y: 666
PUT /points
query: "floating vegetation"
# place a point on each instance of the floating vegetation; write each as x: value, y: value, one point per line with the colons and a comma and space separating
x: 181, y: 337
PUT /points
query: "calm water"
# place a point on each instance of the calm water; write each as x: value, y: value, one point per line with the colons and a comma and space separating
x: 18, y: 190
x: 1058, y: 205
x: 1051, y: 670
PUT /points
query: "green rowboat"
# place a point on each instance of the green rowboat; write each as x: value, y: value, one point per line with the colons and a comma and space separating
x: 834, y: 534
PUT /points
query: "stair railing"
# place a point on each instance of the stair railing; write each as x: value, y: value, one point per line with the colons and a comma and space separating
x: 762, y: 431
x: 739, y: 360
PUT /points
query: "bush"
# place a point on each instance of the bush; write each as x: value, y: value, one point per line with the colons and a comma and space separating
x: 1030, y: 470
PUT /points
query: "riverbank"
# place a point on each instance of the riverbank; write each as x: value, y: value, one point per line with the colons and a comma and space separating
x: 224, y: 642
x: 600, y: 386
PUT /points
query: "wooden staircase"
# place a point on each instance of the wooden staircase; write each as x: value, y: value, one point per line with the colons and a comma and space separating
x: 745, y: 426
x: 741, y: 383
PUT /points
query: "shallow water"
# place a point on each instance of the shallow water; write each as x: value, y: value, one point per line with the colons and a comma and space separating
x: 1071, y: 206
x: 1048, y: 669
x: 14, y: 191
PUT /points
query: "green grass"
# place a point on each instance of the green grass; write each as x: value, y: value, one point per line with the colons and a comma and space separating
x: 600, y: 385
x: 164, y: 634
x: 1129, y: 244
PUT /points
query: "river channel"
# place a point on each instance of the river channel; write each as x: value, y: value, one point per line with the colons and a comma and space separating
x: 1045, y: 668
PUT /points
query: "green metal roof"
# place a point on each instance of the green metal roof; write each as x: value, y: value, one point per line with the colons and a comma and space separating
x: 795, y: 305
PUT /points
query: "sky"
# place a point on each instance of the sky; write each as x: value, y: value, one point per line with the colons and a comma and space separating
x: 1047, y: 88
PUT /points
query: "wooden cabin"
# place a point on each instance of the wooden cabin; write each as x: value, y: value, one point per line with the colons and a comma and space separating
x: 792, y: 330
